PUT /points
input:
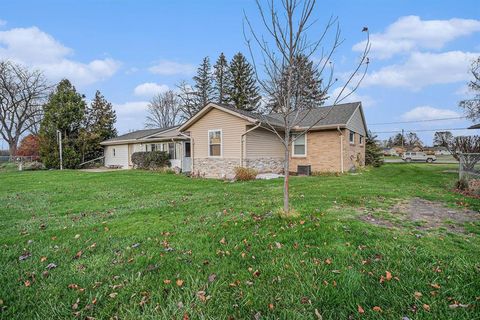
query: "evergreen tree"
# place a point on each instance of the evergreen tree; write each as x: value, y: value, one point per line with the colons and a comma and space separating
x: 98, y: 126
x: 306, y: 86
x: 241, y: 87
x: 204, y: 83
x: 373, y: 152
x: 221, y: 75
x: 64, y: 111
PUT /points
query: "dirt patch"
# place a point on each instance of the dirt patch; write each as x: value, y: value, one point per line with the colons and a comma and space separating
x: 424, y: 215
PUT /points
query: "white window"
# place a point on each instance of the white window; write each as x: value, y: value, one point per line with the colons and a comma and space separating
x: 215, y: 143
x: 299, y: 145
x: 352, y: 137
x: 360, y: 139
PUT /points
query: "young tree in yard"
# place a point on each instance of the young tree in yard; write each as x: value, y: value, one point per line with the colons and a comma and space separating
x: 412, y: 140
x: 221, y: 70
x: 99, y: 125
x: 285, y: 40
x: 472, y: 106
x: 164, y: 110
x: 373, y: 152
x: 64, y: 111
x: 22, y: 93
x: 442, y: 138
x: 29, y: 146
x: 241, y: 88
x: 204, y: 83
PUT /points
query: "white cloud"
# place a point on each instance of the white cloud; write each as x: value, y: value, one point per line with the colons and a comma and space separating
x: 169, y: 68
x: 366, y: 100
x: 429, y: 113
x: 130, y: 115
x: 424, y: 69
x: 129, y: 108
x: 35, y: 48
x: 148, y: 89
x: 2, y: 23
x: 410, y: 33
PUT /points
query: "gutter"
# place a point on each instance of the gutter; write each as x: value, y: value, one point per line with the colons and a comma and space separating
x: 242, y: 141
x: 341, y: 149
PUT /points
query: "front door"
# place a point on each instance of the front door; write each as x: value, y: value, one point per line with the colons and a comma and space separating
x: 187, y: 159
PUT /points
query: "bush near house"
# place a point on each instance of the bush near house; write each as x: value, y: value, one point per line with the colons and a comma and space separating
x: 150, y: 160
x: 245, y: 174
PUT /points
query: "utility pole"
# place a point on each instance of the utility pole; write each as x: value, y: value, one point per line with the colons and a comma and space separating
x: 403, y: 139
x: 59, y: 140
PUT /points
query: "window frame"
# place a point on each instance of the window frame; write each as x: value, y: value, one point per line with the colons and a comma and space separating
x: 360, y: 139
x: 351, y: 137
x: 293, y: 146
x: 114, y: 152
x: 221, y: 143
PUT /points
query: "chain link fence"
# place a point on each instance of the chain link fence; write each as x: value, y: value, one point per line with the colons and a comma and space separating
x: 19, y: 159
x: 469, y: 166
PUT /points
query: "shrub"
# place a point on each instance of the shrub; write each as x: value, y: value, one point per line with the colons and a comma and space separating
x: 150, y: 160
x: 373, y: 153
x: 245, y: 174
x: 461, y: 184
x: 35, y: 165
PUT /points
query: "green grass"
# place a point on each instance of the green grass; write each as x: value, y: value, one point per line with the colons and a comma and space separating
x: 56, y: 214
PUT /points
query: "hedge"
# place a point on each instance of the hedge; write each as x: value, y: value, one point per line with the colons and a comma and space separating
x: 150, y: 160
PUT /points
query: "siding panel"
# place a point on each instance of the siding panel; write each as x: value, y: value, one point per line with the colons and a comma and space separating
x: 261, y: 143
x: 120, y: 158
x: 356, y: 123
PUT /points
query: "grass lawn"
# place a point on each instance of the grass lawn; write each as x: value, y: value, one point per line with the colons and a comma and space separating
x: 138, y: 244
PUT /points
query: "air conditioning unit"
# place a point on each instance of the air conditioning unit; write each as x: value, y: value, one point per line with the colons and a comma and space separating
x: 304, y: 170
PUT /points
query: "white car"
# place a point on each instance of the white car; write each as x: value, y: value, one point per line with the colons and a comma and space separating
x: 418, y: 156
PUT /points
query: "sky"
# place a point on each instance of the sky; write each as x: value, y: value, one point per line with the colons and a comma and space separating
x: 129, y: 50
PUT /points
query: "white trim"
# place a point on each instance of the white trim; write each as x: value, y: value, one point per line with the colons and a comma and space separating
x: 293, y: 147
x: 221, y: 143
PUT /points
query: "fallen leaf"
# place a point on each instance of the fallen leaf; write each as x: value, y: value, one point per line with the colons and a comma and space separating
x: 94, y: 301
x: 435, y: 285
x: 418, y: 295
x: 458, y: 305
x: 167, y: 281
x: 185, y: 316
x: 27, y: 283
x: 256, y: 273
x: 388, y: 276
x: 223, y: 241
x: 317, y: 313
x: 113, y: 295
x: 271, y: 306
x: 75, y: 305
x: 77, y: 236
x: 212, y: 277
x: 377, y: 309
x: 179, y: 282
x: 51, y: 266
x: 78, y: 255
x: 360, y: 309
x: 278, y: 245
x: 25, y: 256
x: 328, y: 261
x: 201, y: 296
x: 426, y: 307
x: 43, y: 259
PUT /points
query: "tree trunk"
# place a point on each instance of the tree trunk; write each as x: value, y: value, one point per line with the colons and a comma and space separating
x: 12, y: 148
x: 286, y: 193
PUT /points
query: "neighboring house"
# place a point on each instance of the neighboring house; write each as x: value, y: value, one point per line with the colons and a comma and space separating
x: 390, y: 152
x: 222, y: 137
x: 441, y: 151
x: 118, y: 151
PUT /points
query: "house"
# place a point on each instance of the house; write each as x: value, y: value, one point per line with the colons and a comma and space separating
x: 390, y: 152
x: 220, y: 137
x: 118, y: 151
x: 440, y: 151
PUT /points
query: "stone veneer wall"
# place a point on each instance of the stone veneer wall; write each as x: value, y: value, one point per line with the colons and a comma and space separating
x: 225, y: 168
x: 264, y: 165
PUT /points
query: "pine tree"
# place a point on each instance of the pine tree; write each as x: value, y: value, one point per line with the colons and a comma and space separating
x: 64, y: 111
x: 99, y: 124
x: 241, y: 87
x: 204, y: 83
x: 373, y: 152
x: 306, y: 85
x: 221, y: 74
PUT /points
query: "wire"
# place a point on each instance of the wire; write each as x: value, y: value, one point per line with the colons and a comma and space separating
x: 415, y: 121
x: 429, y: 130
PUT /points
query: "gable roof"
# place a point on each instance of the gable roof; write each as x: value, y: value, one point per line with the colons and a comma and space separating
x: 142, y: 134
x: 475, y: 126
x: 320, y: 117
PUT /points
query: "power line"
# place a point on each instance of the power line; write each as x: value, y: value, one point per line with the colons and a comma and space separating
x: 429, y: 130
x: 416, y: 121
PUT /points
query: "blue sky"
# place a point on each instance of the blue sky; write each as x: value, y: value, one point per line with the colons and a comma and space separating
x: 421, y: 50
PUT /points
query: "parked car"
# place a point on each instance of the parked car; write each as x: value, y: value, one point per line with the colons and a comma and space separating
x: 418, y: 156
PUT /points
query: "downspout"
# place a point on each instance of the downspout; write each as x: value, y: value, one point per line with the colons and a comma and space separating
x: 341, y: 148
x: 242, y: 140
x: 191, y: 147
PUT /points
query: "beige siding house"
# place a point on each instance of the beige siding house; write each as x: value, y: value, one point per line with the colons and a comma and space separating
x: 220, y: 138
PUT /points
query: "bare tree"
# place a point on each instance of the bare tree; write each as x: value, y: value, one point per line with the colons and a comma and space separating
x: 472, y: 106
x: 22, y: 94
x: 465, y: 145
x: 285, y: 40
x: 164, y: 110
x: 189, y: 101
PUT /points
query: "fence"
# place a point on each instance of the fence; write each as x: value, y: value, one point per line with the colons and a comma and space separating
x: 18, y: 159
x: 469, y: 166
